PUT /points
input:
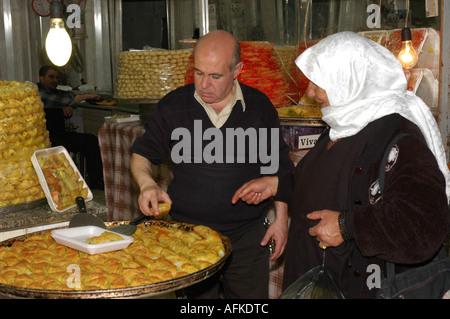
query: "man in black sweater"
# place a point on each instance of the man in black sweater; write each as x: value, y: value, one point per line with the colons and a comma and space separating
x: 218, y: 134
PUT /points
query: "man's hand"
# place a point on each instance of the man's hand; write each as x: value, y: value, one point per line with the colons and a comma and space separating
x: 68, y: 111
x: 278, y: 230
x: 151, y: 193
x: 90, y: 96
x: 256, y: 190
x: 149, y: 197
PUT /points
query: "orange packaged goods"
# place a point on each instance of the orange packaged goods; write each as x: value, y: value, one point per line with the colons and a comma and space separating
x: 379, y: 37
x: 262, y: 70
x: 303, y: 80
x: 286, y: 55
x: 392, y: 39
x: 394, y: 42
x: 158, y: 252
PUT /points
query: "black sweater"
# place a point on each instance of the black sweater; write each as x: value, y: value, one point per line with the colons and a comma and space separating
x: 206, y: 170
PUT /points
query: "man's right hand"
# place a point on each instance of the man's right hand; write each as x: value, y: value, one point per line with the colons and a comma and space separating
x: 150, y: 197
x: 256, y: 190
x: 151, y: 194
x: 68, y: 111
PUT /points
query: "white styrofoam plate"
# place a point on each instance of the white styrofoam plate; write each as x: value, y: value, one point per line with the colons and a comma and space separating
x: 131, y: 118
x: 76, y: 238
x: 51, y: 151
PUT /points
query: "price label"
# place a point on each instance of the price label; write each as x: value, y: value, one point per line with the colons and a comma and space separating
x: 431, y: 8
x: 307, y: 141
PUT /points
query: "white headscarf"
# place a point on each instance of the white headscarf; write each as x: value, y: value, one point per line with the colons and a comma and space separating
x: 364, y: 81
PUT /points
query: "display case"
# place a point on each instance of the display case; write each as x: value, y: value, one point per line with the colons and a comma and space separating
x: 290, y: 27
x: 275, y: 32
x: 382, y: 22
x: 273, y: 21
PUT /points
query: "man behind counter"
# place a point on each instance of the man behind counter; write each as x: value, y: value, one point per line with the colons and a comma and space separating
x: 58, y: 105
x: 201, y: 190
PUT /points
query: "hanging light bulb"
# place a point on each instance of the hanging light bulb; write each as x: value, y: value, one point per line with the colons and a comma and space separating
x: 407, y: 55
x: 58, y: 43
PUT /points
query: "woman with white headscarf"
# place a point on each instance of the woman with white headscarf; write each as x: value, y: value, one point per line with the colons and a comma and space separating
x: 334, y: 202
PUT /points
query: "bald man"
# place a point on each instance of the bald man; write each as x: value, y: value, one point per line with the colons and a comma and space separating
x: 205, y: 129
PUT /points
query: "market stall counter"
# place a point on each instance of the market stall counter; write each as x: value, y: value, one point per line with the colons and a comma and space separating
x: 19, y: 220
x: 94, y: 112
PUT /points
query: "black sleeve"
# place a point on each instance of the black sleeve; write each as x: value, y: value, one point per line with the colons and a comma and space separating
x: 285, y: 187
x: 286, y: 165
x: 410, y: 222
x: 155, y: 143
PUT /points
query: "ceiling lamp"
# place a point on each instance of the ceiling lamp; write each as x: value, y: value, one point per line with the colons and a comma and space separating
x: 407, y: 55
x: 58, y: 43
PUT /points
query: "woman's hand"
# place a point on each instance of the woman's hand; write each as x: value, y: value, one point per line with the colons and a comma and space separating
x: 256, y: 190
x: 327, y: 230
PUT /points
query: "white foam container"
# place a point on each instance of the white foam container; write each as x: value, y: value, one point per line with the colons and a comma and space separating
x: 45, y: 153
x: 76, y: 238
x: 429, y: 58
x: 415, y: 78
x: 428, y: 89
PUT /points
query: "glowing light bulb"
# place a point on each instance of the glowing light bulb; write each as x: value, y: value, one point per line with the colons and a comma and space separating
x: 58, y: 43
x: 407, y: 55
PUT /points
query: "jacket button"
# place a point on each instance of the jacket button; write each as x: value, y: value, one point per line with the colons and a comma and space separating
x: 358, y: 170
x: 357, y: 202
x: 356, y: 273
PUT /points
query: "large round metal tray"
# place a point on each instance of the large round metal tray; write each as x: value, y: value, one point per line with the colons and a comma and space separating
x: 8, y: 291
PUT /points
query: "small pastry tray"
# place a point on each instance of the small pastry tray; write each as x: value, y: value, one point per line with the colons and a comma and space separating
x: 76, y: 238
x: 131, y: 118
x: 51, y: 151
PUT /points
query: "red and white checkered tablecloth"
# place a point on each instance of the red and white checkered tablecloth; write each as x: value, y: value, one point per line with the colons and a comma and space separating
x: 121, y: 191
